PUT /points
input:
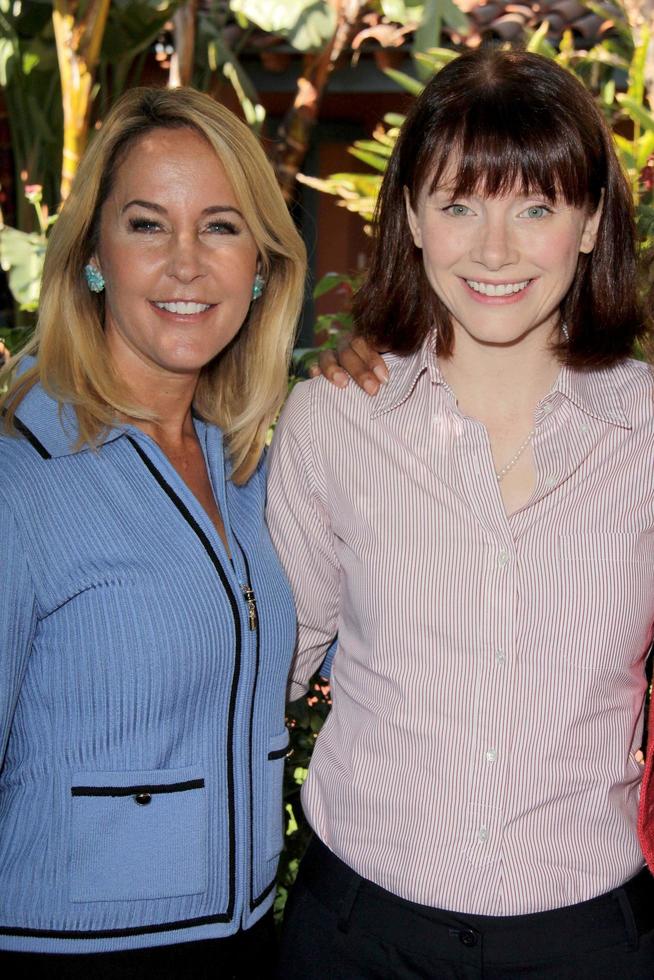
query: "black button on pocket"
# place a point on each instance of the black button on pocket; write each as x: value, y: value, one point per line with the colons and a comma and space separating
x: 468, y: 937
x: 153, y: 819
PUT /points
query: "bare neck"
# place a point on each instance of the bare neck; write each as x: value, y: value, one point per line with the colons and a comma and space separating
x: 492, y: 383
x: 167, y: 396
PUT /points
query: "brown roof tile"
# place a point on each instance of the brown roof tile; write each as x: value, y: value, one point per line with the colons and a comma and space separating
x: 508, y: 21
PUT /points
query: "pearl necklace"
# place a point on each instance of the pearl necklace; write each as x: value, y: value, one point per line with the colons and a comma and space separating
x: 500, y: 474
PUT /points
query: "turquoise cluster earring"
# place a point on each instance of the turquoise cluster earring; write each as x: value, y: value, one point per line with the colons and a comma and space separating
x: 94, y: 278
x: 257, y: 286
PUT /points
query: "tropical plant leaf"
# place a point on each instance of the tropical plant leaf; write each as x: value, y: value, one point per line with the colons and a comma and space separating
x: 8, y: 53
x: 428, y: 35
x: 636, y: 90
x: 132, y: 26
x: 538, y: 43
x: 382, y: 149
x: 330, y: 281
x: 375, y: 160
x: 394, y: 119
x: 401, y: 12
x: 620, y: 23
x: 608, y: 92
x: 626, y: 151
x: 306, y: 24
x: 21, y: 257
x: 406, y: 82
x: 435, y: 58
x: 640, y: 115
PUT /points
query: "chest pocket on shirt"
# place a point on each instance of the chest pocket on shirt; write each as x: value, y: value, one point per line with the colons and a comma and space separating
x: 606, y: 599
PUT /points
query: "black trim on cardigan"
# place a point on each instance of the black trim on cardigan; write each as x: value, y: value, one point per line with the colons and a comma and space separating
x: 206, y: 544
x: 263, y: 896
x: 31, y: 438
x: 153, y: 788
x: 202, y: 920
x: 254, y: 902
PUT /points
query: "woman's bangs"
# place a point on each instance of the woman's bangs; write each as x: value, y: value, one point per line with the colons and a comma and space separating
x: 495, y: 163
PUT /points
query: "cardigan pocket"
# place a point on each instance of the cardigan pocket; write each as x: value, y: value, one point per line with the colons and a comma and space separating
x: 138, y: 835
x: 277, y: 751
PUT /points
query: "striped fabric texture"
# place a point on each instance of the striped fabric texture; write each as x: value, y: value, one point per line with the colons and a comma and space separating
x: 488, y: 687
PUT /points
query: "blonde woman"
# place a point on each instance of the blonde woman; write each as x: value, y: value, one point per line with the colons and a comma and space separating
x: 146, y: 626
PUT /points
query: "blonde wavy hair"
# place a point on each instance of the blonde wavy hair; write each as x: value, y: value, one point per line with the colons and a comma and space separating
x: 242, y: 389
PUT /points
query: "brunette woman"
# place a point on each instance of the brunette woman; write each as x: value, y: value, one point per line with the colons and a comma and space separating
x: 481, y: 538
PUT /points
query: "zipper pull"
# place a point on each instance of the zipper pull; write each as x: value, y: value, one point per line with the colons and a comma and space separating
x: 248, y: 592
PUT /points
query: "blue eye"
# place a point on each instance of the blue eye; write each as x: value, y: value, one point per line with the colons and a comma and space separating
x: 457, y: 210
x: 537, y: 211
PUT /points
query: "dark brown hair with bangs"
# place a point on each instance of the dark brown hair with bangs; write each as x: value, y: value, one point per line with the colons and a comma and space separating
x: 507, y: 120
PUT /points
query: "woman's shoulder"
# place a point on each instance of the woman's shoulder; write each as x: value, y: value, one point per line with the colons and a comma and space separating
x: 633, y: 382
x: 319, y: 401
x: 40, y: 432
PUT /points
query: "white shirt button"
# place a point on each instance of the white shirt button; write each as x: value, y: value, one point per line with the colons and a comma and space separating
x: 500, y: 656
x: 550, y: 481
x: 548, y: 408
x: 491, y: 755
x: 482, y: 834
x: 584, y: 428
x: 503, y: 558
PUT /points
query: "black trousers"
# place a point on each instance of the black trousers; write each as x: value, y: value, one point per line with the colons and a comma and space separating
x: 248, y: 955
x: 341, y: 927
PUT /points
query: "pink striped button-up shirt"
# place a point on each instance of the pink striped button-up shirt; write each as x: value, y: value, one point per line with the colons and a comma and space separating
x: 488, y: 687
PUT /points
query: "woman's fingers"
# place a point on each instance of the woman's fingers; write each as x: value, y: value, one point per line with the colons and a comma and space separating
x: 327, y: 365
x: 369, y: 357
x: 353, y: 359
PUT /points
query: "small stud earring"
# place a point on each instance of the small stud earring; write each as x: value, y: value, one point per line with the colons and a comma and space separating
x: 94, y: 278
x: 257, y: 286
x: 565, y: 331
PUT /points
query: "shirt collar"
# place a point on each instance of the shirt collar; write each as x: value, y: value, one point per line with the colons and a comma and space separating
x: 405, y: 369
x: 595, y: 392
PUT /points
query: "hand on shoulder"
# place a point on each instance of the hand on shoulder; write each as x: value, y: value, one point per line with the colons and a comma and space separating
x: 353, y: 358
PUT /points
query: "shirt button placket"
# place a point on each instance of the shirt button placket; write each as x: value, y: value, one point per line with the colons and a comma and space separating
x: 503, y: 558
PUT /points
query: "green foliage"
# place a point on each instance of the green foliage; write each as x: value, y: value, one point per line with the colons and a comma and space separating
x: 436, y: 13
x: 304, y: 718
x: 221, y: 58
x: 132, y: 27
x: 306, y: 24
x: 21, y: 256
x: 30, y: 80
x: 358, y: 192
x: 22, y: 253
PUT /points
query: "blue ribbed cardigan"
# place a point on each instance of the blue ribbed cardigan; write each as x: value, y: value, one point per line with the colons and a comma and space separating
x: 142, y: 734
